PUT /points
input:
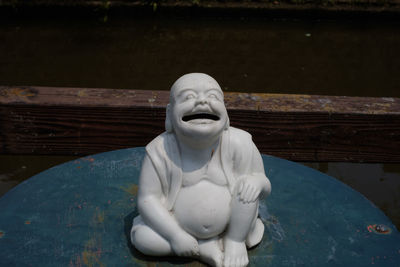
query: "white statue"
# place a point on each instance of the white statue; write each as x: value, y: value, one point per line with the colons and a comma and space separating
x: 201, y: 181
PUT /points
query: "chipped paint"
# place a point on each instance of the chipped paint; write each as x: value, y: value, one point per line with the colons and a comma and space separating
x: 311, y: 103
x: 91, y: 256
x: 390, y: 99
x: 82, y: 93
x: 19, y: 92
x: 89, y: 158
x: 118, y: 95
x: 379, y: 229
x: 387, y: 105
x: 77, y: 262
x: 2, y: 234
x: 131, y: 189
x: 279, y: 96
x: 99, y: 217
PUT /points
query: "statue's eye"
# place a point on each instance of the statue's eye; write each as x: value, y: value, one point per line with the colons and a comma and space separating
x: 190, y: 96
x: 214, y: 96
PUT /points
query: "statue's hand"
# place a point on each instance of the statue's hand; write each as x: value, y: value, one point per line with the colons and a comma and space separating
x: 250, y: 188
x: 185, y: 245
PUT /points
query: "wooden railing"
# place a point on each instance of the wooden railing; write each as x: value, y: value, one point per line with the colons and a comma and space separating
x: 81, y: 121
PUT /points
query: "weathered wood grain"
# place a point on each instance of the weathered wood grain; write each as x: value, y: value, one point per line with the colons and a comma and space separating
x: 80, y: 121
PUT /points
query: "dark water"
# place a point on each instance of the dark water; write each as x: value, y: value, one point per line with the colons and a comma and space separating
x: 328, y: 57
x: 358, y: 58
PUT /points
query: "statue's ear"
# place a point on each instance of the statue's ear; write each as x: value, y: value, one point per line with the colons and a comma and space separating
x: 227, y: 124
x: 168, y: 123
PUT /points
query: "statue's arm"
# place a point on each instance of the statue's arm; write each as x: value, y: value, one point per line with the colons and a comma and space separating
x: 253, y: 183
x: 259, y: 171
x: 156, y: 215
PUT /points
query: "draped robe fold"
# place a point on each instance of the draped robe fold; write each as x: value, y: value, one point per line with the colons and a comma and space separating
x: 239, y: 157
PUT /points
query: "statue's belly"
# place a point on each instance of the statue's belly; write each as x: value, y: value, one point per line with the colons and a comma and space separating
x: 203, y: 209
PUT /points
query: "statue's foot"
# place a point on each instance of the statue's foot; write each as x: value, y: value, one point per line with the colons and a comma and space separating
x: 235, y: 254
x: 256, y: 235
x: 211, y: 253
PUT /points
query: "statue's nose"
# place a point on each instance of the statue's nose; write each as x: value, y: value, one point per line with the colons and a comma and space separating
x: 202, y: 100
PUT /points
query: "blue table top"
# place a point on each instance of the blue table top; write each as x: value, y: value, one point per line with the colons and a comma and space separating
x: 80, y: 213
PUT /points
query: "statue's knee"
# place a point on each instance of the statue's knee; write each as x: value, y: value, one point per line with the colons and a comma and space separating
x: 135, y: 232
x: 139, y: 240
x: 149, y: 242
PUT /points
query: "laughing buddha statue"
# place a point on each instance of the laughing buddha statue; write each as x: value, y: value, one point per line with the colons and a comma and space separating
x: 201, y: 182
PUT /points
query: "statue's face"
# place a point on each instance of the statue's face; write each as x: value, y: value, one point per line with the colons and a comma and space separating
x: 197, y: 107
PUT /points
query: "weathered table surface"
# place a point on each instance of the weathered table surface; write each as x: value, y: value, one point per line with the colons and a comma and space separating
x: 79, y: 214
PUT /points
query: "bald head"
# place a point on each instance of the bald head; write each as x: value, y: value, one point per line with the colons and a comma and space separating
x: 193, y: 80
x: 196, y: 110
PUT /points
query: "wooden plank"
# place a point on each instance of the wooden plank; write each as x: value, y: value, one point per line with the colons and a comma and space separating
x: 80, y: 121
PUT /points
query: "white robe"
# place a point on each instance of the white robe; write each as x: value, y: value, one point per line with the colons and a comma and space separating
x: 239, y: 157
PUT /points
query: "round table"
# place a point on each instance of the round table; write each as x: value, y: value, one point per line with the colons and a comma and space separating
x: 80, y: 213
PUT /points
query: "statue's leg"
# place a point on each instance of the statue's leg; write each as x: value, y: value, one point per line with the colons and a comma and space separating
x: 211, y: 251
x: 147, y: 241
x: 242, y: 222
x: 256, y: 233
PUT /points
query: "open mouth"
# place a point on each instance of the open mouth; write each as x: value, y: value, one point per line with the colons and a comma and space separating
x: 201, y: 116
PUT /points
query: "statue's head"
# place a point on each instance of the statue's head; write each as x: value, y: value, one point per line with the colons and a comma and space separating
x: 196, y: 107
